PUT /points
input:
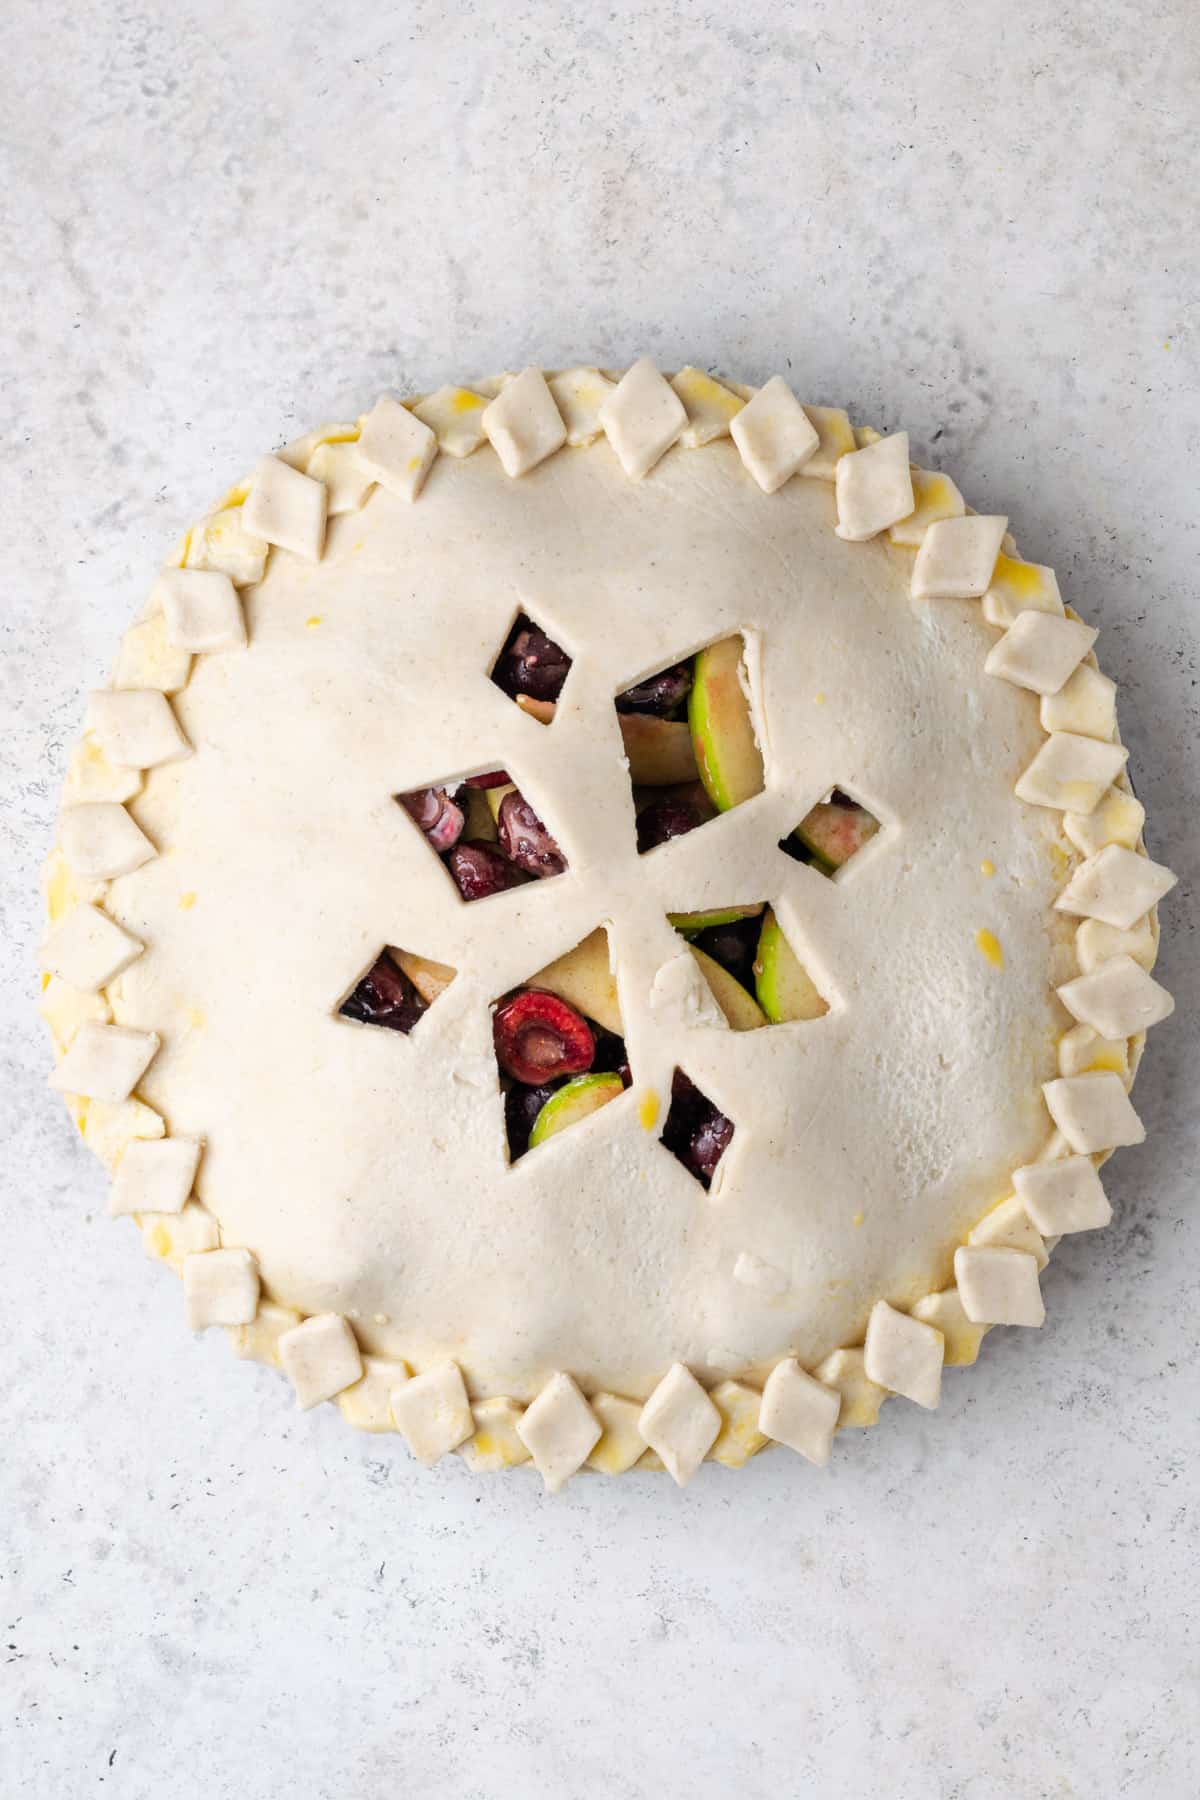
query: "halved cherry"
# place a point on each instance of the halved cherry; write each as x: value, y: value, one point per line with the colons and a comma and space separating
x: 539, y: 1037
x: 525, y: 840
x: 479, y: 870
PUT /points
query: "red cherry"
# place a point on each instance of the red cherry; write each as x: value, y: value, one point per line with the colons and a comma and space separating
x: 539, y: 1037
x: 493, y: 778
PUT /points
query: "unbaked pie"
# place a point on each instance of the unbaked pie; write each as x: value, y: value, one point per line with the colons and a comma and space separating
x: 601, y: 921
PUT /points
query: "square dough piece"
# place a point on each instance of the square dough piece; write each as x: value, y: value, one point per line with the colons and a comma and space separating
x: 88, y: 950
x: 579, y: 395
x: 433, y: 1412
x: 136, y: 727
x: 320, y: 1358
x: 1116, y: 886
x: 395, y: 448
x: 936, y: 498
x: 999, y: 1287
x: 220, y: 1287
x: 155, y: 1175
x: 367, y: 1404
x: 523, y: 424
x: 1071, y: 773
x: 680, y: 1423
x: 1018, y: 587
x: 1118, y: 999
x: 286, y: 508
x: 904, y: 1355
x: 105, y: 1062
x: 963, y: 1337
x: 347, y: 484
x: 1093, y: 1112
x: 495, y: 1444
x: 455, y: 416
x: 739, y: 1437
x: 642, y: 418
x: 957, y: 557
x: 774, y: 435
x: 1118, y: 818
x: 620, y: 1444
x: 1063, y: 1196
x: 1040, y: 651
x: 835, y: 439
x: 709, y: 404
x: 874, y: 488
x: 846, y: 1370
x: 201, y: 610
x: 1086, y: 705
x: 559, y: 1429
x: 1095, y: 943
x: 799, y: 1411
x: 146, y: 659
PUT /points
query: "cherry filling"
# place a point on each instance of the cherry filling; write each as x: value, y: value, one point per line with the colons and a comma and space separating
x: 479, y: 870
x: 437, y: 815
x: 663, y: 695
x: 385, y: 996
x: 521, y: 1108
x: 539, y: 1038
x: 695, y: 1131
x: 734, y: 946
x: 663, y: 820
x: 531, y: 663
x: 525, y: 840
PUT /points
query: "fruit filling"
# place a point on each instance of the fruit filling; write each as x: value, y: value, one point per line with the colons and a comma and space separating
x: 690, y: 742
x: 753, y: 973
x: 485, y: 832
x: 556, y: 1066
x: 385, y: 996
x: 835, y: 830
x: 695, y: 1130
x: 531, y: 663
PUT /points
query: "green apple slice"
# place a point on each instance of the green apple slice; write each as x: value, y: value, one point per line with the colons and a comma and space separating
x: 691, y: 922
x: 727, y: 755
x: 573, y: 1101
x: 584, y: 979
x: 493, y: 797
x: 833, y: 834
x: 741, y: 1009
x: 784, y: 987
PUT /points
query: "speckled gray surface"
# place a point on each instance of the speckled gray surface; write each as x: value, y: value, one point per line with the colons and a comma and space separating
x: 222, y: 225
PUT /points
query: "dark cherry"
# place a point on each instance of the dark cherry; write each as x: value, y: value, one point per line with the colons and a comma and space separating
x: 521, y: 1107
x: 734, y: 946
x: 662, y: 695
x: 525, y: 840
x: 385, y: 996
x: 437, y: 815
x: 695, y: 1131
x: 539, y: 1037
x: 493, y: 778
x: 480, y: 870
x: 665, y: 819
x: 611, y: 1057
x: 531, y: 663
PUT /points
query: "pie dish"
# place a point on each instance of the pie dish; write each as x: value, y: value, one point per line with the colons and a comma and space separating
x: 601, y: 921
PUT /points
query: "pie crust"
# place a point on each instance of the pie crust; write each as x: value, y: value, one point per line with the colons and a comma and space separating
x: 231, y: 857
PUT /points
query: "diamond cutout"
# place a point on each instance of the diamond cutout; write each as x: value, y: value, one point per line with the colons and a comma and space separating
x: 696, y: 1132
x: 397, y: 990
x: 531, y: 668
x: 690, y: 740
x: 484, y: 831
x: 832, y: 833
x: 560, y: 1045
x: 752, y: 971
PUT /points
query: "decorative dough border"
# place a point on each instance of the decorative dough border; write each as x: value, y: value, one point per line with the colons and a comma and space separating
x: 1109, y: 883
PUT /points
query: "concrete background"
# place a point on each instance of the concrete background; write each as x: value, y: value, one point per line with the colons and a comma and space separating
x: 222, y: 224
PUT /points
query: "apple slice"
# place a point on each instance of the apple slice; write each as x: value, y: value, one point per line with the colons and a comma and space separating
x: 574, y: 1101
x: 584, y: 979
x: 429, y: 978
x: 659, y: 750
x: 541, y: 710
x: 493, y: 797
x: 741, y: 1009
x: 784, y: 987
x: 691, y: 922
x: 727, y: 754
x: 834, y: 831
